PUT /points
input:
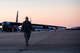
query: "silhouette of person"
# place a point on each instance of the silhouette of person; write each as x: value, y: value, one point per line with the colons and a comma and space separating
x: 26, y: 28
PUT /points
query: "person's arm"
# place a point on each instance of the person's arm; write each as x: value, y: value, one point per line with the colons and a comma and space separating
x: 30, y: 26
x: 22, y: 28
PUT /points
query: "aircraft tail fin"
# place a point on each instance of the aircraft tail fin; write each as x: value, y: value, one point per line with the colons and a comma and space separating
x: 17, y: 17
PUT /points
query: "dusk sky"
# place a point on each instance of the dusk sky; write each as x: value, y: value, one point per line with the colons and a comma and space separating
x: 52, y: 12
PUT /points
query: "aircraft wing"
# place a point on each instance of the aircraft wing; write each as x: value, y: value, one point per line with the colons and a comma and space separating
x: 14, y: 23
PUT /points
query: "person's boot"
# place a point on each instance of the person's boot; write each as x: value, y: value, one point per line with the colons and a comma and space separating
x: 27, y: 44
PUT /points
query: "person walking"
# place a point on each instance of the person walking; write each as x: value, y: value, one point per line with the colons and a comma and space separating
x: 26, y: 28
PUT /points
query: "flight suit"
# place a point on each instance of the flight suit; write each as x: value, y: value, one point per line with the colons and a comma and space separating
x: 26, y: 28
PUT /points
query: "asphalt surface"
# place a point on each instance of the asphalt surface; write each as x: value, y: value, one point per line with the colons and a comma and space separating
x: 43, y: 41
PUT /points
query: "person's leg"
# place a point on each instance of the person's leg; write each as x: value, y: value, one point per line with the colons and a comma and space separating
x: 26, y: 38
x: 29, y: 33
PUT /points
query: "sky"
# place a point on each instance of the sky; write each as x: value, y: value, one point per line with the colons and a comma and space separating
x: 51, y: 12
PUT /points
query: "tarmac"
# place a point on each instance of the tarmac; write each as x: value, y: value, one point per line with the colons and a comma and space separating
x: 41, y: 42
